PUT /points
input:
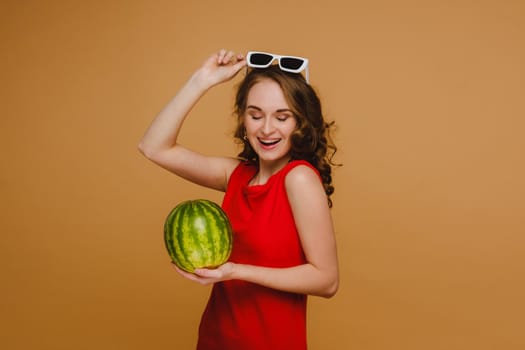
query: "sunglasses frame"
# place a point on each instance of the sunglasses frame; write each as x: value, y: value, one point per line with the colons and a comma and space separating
x: 304, y: 65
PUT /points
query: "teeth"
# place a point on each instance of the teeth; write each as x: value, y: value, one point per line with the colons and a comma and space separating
x: 268, y: 143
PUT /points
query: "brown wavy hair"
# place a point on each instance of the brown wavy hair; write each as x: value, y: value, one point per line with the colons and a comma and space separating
x: 310, y: 140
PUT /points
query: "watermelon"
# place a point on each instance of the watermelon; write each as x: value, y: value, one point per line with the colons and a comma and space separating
x: 198, y: 234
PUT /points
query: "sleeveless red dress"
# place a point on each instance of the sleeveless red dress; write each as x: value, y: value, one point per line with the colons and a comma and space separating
x: 245, y: 316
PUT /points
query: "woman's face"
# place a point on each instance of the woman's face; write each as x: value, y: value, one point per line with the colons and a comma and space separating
x: 269, y: 123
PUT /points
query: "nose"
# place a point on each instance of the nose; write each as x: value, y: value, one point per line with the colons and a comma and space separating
x: 268, y: 127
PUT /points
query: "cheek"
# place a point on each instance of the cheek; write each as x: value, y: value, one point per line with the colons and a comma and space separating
x: 250, y: 127
x: 291, y: 128
x: 247, y: 123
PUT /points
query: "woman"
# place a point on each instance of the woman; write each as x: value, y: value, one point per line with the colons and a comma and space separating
x: 277, y: 196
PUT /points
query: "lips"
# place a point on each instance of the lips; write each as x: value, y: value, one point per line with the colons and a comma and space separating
x: 269, y: 143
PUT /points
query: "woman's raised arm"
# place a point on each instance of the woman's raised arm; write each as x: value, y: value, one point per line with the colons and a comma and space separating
x: 159, y: 143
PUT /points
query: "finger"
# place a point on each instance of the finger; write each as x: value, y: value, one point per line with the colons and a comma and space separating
x: 179, y: 270
x: 225, y: 58
x: 184, y: 273
x: 240, y: 64
x: 193, y: 277
x: 228, y: 57
x: 220, y: 56
x: 208, y: 273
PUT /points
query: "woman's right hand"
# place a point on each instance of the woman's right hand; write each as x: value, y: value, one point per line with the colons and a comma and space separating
x: 220, y: 67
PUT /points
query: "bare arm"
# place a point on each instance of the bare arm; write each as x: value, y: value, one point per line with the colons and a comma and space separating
x: 319, y: 275
x: 159, y: 143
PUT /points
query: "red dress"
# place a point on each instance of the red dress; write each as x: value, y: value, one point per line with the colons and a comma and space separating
x: 245, y: 316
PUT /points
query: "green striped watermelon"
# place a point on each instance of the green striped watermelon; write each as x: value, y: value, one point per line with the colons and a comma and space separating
x: 197, y: 233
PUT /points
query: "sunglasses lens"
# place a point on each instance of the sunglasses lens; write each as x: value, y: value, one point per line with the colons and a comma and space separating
x: 291, y: 63
x: 260, y: 59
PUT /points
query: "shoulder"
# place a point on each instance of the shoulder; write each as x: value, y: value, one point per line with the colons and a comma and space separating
x: 305, y: 190
x: 301, y: 170
x: 301, y: 177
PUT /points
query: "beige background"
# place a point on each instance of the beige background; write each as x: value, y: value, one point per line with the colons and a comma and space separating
x: 429, y: 206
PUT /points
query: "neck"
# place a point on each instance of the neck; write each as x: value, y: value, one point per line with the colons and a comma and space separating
x: 267, y: 169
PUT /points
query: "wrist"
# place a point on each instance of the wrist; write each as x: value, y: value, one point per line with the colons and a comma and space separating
x: 199, y: 82
x: 236, y: 271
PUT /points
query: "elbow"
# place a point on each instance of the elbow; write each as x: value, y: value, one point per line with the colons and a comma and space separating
x: 153, y: 152
x: 146, y: 152
x: 331, y: 289
x: 140, y: 148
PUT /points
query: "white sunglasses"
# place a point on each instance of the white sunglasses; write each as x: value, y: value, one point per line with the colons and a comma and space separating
x: 292, y: 64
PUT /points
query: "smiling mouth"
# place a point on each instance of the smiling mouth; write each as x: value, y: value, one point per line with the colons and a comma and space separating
x: 269, y: 143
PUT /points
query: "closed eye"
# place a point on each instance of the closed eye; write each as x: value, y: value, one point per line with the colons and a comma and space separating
x: 282, y: 117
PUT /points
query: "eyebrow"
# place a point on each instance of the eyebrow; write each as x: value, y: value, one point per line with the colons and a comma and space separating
x: 260, y: 109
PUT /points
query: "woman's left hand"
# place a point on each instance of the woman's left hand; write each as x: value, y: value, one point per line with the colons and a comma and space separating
x: 209, y: 276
